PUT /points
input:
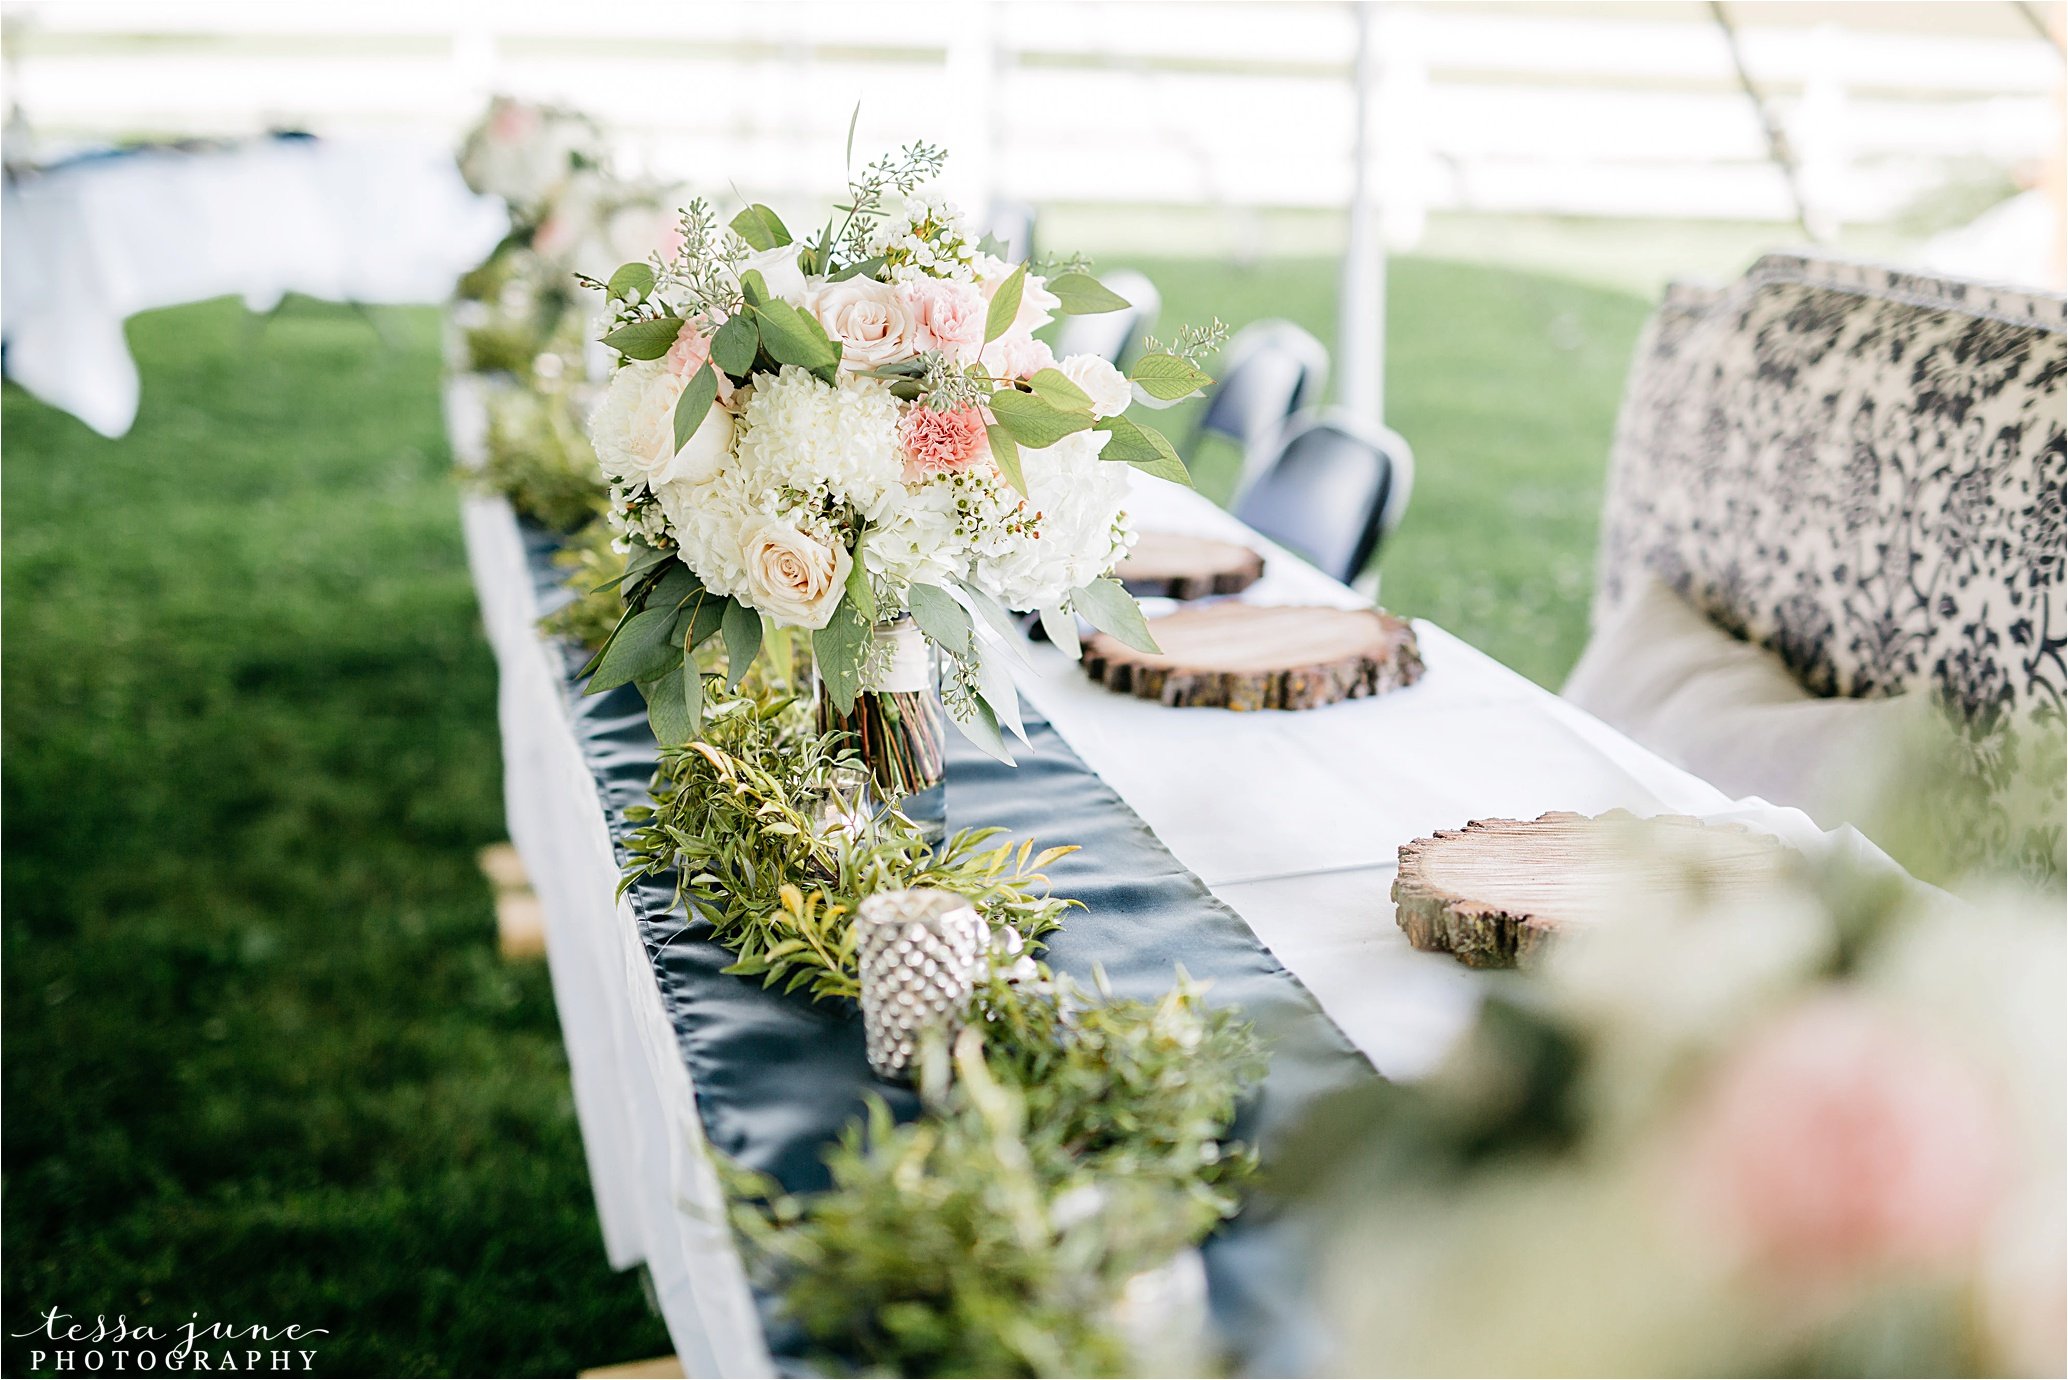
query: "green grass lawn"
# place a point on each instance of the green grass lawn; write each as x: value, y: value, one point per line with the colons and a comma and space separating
x: 262, y: 1060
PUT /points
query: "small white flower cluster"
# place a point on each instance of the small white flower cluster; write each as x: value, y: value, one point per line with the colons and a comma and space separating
x: 932, y: 240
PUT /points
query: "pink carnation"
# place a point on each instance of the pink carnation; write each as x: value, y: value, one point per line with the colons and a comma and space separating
x: 690, y: 352
x: 950, y: 316
x: 1838, y: 1142
x: 941, y: 442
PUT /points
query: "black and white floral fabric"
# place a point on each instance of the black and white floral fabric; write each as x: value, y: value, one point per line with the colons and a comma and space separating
x: 1862, y: 469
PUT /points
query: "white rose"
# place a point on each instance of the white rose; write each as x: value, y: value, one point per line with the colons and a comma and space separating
x: 792, y: 576
x: 778, y: 268
x: 633, y: 430
x: 1108, y: 388
x: 871, y: 320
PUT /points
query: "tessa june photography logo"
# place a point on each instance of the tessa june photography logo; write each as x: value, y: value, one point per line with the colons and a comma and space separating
x: 60, y: 1344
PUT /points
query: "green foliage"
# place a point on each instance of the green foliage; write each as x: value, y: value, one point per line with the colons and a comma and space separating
x: 742, y: 818
x: 1005, y: 304
x: 1078, y: 1143
x: 647, y: 339
x: 592, y: 560
x: 500, y: 347
x: 1111, y: 609
x: 539, y: 459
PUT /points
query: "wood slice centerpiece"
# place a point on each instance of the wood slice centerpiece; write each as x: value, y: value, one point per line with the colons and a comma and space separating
x: 1255, y: 656
x: 1176, y: 565
x: 1497, y: 892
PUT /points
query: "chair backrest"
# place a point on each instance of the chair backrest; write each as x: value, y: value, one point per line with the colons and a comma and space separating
x: 1861, y: 469
x: 1268, y: 372
x: 1109, y: 335
x: 1331, y: 491
x: 1858, y: 468
x: 1011, y: 223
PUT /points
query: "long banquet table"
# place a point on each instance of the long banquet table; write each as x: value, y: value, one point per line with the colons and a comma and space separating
x: 1292, y: 821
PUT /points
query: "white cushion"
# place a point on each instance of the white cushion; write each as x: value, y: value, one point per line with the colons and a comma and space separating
x: 1733, y: 715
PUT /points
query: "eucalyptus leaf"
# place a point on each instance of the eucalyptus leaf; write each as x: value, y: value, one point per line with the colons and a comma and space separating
x: 860, y: 593
x: 696, y: 399
x: 860, y: 268
x: 761, y: 228
x: 639, y: 650
x: 645, y: 339
x: 1061, y: 626
x: 632, y: 282
x: 1168, y: 377
x: 994, y: 682
x: 706, y: 617
x: 941, y: 618
x: 791, y: 337
x: 978, y: 722
x: 596, y: 657
x: 734, y: 346
x: 840, y: 648
x: 1080, y: 294
x: 1054, y: 387
x: 742, y: 629
x: 1034, y: 423
x: 1144, y: 447
x: 674, y: 703
x: 1111, y: 609
x: 994, y: 615
x: 1005, y: 453
x: 753, y: 287
x: 1005, y: 305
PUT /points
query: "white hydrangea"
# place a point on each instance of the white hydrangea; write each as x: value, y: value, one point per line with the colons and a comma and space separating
x: 1076, y: 498
x: 917, y: 538
x: 804, y: 440
x: 709, y: 520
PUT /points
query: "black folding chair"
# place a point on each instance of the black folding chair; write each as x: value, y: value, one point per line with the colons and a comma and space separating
x: 1331, y: 489
x: 1011, y: 224
x: 1269, y: 371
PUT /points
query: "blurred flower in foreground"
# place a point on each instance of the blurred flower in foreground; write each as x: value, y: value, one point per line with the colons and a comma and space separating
x: 1816, y: 1132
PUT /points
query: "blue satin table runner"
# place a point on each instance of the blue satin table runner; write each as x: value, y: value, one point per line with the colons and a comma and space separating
x: 777, y: 1077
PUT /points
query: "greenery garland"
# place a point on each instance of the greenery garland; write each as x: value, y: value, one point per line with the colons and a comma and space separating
x: 1069, y: 1142
x: 537, y: 457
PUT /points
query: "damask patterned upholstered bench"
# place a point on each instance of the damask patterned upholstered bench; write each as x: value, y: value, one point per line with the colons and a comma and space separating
x: 1862, y: 470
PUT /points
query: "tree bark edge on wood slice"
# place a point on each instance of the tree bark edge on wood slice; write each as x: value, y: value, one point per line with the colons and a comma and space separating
x: 1561, y: 872
x: 1261, y: 656
x: 1178, y: 565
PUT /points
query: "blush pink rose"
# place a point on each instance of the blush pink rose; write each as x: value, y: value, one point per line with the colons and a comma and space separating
x: 512, y: 122
x: 1017, y: 356
x: 1838, y: 1142
x: 690, y: 352
x: 950, y: 316
x: 941, y: 442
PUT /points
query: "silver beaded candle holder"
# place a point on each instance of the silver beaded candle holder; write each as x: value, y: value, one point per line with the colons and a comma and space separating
x: 921, y: 955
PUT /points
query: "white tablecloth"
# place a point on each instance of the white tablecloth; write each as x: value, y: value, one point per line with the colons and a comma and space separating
x: 91, y: 243
x: 1305, y: 854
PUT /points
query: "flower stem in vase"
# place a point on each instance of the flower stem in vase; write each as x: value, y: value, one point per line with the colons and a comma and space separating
x: 898, y: 726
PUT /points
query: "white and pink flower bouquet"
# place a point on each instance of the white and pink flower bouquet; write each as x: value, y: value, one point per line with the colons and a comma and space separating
x: 857, y: 435
x: 524, y: 152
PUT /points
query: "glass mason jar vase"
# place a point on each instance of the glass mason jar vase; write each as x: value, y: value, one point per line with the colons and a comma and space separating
x: 899, y: 726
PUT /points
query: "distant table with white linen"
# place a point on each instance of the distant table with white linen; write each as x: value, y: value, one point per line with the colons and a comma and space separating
x: 1303, y: 849
x: 94, y: 241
